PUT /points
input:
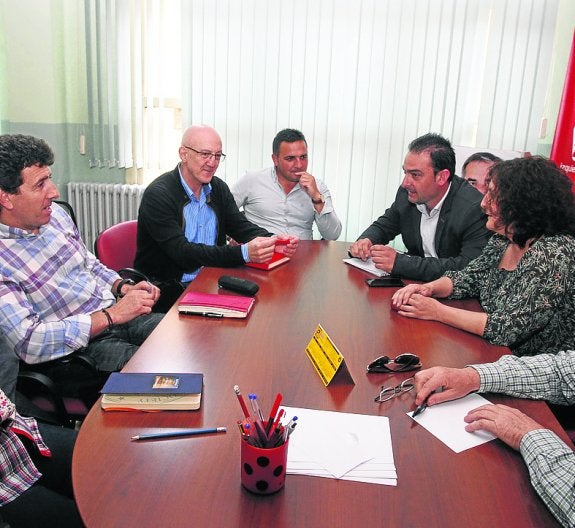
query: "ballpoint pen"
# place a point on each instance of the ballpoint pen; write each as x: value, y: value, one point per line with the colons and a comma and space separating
x: 182, y: 432
x: 420, y: 408
x: 204, y: 314
x: 255, y: 406
x: 273, y: 412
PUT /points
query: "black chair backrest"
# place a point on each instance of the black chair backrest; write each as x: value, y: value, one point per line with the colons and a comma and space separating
x: 69, y: 209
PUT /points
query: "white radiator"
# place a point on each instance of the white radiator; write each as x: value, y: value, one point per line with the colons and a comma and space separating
x: 101, y: 205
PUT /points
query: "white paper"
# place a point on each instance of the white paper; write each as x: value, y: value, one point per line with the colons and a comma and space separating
x: 341, y: 445
x: 368, y: 266
x: 445, y: 421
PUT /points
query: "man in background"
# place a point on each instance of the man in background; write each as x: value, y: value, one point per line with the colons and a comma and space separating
x: 437, y: 214
x: 551, y: 377
x: 285, y: 198
x: 476, y: 167
x: 187, y: 213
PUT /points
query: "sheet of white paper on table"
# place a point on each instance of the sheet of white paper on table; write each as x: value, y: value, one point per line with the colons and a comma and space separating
x: 445, y: 421
x: 341, y: 445
x: 366, y: 265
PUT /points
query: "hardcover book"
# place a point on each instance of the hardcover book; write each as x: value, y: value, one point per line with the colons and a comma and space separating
x: 152, y: 391
x: 274, y: 262
x: 215, y: 305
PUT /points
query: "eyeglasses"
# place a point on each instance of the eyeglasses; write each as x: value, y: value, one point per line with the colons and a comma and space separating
x: 388, y: 393
x: 404, y: 363
x: 205, y: 155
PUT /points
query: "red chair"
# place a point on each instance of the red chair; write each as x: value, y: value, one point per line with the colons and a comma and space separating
x: 115, y: 247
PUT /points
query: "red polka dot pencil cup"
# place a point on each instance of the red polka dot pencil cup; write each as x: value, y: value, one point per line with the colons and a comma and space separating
x: 264, y: 445
x: 263, y: 469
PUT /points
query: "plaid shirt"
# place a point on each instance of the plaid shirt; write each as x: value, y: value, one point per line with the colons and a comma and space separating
x: 18, y: 470
x: 49, y: 285
x: 550, y: 461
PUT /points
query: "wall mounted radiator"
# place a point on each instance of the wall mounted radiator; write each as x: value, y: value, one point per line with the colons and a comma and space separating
x: 101, y: 205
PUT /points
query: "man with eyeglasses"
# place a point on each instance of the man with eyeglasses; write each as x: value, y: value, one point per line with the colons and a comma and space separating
x: 285, y: 198
x: 437, y: 214
x: 187, y: 213
x: 476, y: 167
x: 550, y: 377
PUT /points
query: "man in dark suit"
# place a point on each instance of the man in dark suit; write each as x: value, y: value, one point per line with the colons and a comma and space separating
x: 437, y: 214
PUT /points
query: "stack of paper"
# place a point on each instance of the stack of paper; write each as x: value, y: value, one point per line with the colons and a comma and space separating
x: 342, y: 446
x: 367, y: 265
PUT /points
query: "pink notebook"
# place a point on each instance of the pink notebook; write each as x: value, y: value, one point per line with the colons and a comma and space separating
x: 215, y: 305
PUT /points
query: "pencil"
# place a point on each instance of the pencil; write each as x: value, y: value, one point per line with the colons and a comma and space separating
x: 182, y: 432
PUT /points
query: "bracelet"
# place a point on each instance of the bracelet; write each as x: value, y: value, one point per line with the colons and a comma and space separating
x: 123, y: 282
x: 109, y: 317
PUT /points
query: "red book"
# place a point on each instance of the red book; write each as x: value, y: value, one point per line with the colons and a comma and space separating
x: 215, y: 305
x: 274, y: 262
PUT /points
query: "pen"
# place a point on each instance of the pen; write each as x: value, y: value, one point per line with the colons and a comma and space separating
x: 183, y: 432
x: 273, y: 412
x: 205, y: 314
x: 256, y: 407
x: 290, y: 425
x: 241, y: 400
x: 278, y: 418
x: 420, y: 408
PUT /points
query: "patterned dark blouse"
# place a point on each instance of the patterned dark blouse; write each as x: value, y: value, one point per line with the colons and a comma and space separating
x: 532, y: 308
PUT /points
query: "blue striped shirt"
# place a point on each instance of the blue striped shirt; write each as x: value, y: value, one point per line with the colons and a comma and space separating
x: 200, y: 222
x: 49, y: 285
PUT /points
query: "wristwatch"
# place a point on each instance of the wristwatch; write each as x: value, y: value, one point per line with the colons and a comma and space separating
x: 321, y: 200
x: 122, y: 283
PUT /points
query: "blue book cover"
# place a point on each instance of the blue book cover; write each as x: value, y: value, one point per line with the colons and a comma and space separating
x: 153, y: 383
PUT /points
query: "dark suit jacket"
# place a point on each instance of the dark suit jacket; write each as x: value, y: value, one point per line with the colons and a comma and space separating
x: 460, y: 237
x: 163, y: 251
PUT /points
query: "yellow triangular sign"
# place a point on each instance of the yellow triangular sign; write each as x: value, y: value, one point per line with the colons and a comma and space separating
x: 325, y: 357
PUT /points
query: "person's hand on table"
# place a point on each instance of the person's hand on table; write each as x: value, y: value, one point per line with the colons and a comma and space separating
x: 261, y: 249
x: 420, y: 307
x: 403, y: 295
x: 286, y: 244
x: 454, y: 382
x: 506, y: 423
x: 361, y: 249
x: 383, y: 257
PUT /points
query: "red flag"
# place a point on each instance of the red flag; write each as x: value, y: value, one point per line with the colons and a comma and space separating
x: 563, y: 148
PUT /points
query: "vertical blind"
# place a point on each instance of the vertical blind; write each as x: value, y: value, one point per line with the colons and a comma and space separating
x: 360, y: 79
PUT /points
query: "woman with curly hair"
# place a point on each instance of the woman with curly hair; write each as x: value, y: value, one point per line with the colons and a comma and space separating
x: 525, y: 277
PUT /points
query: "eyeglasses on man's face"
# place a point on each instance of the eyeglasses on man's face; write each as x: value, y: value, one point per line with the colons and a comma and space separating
x: 402, y: 363
x: 386, y: 394
x: 206, y: 154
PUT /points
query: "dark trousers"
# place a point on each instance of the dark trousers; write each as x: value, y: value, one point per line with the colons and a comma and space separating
x: 50, y: 501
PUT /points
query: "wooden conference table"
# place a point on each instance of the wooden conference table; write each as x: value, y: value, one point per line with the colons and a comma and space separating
x: 195, y: 481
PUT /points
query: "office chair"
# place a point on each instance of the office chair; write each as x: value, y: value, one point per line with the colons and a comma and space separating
x: 69, y: 209
x: 115, y: 247
x: 60, y: 392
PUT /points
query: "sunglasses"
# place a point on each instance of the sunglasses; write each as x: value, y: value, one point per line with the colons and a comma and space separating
x: 402, y: 363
